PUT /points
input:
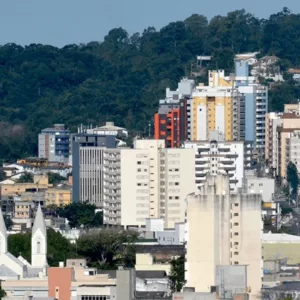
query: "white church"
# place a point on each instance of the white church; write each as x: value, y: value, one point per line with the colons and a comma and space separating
x: 12, y: 268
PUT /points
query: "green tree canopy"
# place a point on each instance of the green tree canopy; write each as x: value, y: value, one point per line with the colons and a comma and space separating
x: 25, y: 178
x: 81, y: 214
x: 106, y: 249
x: 177, y: 274
x: 55, y: 178
x: 59, y: 248
x: 292, y: 177
x: 122, y: 78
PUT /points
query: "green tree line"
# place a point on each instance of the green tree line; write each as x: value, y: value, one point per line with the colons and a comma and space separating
x: 104, y: 249
x: 122, y: 78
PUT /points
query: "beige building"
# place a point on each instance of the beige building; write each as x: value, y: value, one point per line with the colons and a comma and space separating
x: 148, y: 181
x: 290, y: 123
x: 23, y: 210
x: 58, y: 196
x: 222, y: 228
x: 146, y: 262
x: 40, y: 182
x: 293, y: 149
x: 273, y: 120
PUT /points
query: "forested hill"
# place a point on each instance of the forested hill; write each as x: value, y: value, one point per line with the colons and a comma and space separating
x: 122, y: 78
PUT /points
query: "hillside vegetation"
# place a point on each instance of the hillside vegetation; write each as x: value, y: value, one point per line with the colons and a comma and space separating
x: 122, y: 78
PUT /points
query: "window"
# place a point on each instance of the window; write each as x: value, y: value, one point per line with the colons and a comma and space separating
x: 236, y: 214
x: 236, y: 233
x: 236, y: 253
x: 236, y: 262
x: 236, y: 224
x: 38, y: 247
x: 236, y: 204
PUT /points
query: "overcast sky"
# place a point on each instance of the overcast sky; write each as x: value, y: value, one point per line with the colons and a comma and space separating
x: 61, y: 22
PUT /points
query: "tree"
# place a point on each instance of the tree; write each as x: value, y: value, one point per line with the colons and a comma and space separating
x: 292, y: 177
x: 106, y: 249
x: 79, y: 214
x: 122, y: 78
x: 177, y: 274
x: 55, y: 178
x: 25, y: 178
x: 59, y: 248
x: 8, y: 222
x: 2, y: 293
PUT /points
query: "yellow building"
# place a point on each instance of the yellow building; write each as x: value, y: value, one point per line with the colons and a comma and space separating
x: 58, y: 196
x: 215, y: 107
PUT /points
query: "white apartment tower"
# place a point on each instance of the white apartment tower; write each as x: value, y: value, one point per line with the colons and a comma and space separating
x: 220, y: 157
x: 222, y: 228
x: 149, y: 181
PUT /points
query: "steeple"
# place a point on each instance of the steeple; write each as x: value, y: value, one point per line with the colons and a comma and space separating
x: 39, y: 222
x: 3, y: 234
x: 39, y: 241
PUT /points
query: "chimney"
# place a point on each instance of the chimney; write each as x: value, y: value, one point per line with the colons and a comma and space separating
x: 61, y: 264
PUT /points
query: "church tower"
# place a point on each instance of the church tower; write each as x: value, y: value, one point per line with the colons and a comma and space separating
x: 39, y: 241
x: 3, y: 235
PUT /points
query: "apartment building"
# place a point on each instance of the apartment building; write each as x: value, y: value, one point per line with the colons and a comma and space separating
x: 290, y: 123
x: 87, y: 162
x: 256, y: 103
x: 170, y: 123
x: 273, y: 120
x: 220, y: 157
x: 259, y: 185
x: 149, y: 181
x: 23, y: 210
x: 293, y: 149
x: 218, y: 106
x: 230, y: 227
x: 59, y: 196
x: 54, y: 143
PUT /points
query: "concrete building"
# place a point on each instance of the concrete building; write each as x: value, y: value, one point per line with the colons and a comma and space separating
x: 273, y: 120
x: 54, y: 143
x: 256, y: 103
x: 281, y: 246
x: 147, y: 182
x: 60, y: 195
x: 218, y: 106
x: 170, y: 123
x: 293, y: 149
x: 87, y: 162
x: 230, y: 227
x: 23, y: 210
x: 109, y: 129
x: 260, y: 185
x: 219, y: 157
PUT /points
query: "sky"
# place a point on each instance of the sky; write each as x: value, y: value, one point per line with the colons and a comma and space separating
x: 62, y: 22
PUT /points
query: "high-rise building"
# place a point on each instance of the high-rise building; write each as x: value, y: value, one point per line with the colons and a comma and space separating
x: 222, y: 228
x: 149, y: 181
x: 170, y: 123
x: 273, y: 120
x: 256, y: 103
x: 221, y: 157
x: 218, y: 106
x: 87, y: 162
x: 54, y: 143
